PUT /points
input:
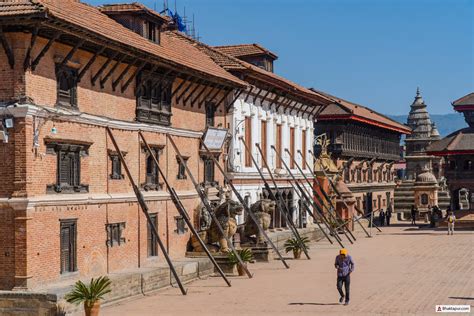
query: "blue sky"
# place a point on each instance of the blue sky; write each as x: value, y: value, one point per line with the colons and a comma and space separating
x: 372, y: 52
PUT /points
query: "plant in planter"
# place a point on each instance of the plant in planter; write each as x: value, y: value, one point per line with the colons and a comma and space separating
x: 292, y: 244
x: 90, y: 294
x: 246, y: 256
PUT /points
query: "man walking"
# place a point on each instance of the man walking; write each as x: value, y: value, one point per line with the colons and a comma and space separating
x: 413, y: 214
x: 388, y: 215
x: 344, y: 265
x: 451, y: 220
x: 382, y: 217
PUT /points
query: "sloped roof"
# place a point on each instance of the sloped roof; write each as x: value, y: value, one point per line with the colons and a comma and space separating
x: 245, y: 50
x: 468, y: 99
x: 455, y: 143
x: 132, y: 7
x: 343, y: 109
x: 171, y: 50
x: 19, y: 7
x: 231, y: 63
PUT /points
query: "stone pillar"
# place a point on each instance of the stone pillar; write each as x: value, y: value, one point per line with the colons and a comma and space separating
x: 345, y: 203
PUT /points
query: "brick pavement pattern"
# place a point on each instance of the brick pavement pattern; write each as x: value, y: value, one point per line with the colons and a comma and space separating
x: 401, y: 271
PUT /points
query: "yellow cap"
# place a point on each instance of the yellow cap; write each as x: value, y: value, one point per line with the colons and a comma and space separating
x: 343, y: 252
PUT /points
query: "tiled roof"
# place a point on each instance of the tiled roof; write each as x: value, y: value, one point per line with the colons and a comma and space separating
x: 18, y: 8
x: 345, y: 109
x: 465, y: 100
x: 131, y: 7
x: 459, y: 141
x: 171, y: 50
x: 231, y: 63
x: 245, y: 50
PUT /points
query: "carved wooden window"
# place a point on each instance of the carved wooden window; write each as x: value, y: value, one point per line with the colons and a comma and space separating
x: 116, y: 168
x: 66, y: 86
x: 210, y: 114
x: 154, y: 101
x: 68, y: 241
x: 248, y: 141
x: 152, y: 241
x: 182, y: 168
x: 180, y: 225
x: 152, y: 174
x: 209, y: 171
x: 114, y: 234
x: 68, y: 175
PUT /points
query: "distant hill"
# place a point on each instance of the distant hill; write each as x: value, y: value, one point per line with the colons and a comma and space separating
x: 446, y: 123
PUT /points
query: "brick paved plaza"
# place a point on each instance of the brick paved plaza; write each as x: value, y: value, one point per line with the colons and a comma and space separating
x: 401, y: 271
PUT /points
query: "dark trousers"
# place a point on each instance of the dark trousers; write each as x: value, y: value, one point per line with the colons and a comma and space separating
x: 388, y: 221
x: 382, y: 221
x: 347, y: 283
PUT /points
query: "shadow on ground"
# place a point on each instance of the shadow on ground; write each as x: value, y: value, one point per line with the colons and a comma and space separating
x: 314, y: 304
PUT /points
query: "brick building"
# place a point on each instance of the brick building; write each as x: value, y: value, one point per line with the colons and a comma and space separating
x: 67, y: 71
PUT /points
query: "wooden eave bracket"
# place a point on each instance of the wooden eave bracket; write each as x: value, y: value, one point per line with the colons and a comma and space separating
x: 7, y: 48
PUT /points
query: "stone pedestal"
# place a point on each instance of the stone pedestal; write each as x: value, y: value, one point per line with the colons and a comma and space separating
x: 260, y: 253
x: 221, y: 259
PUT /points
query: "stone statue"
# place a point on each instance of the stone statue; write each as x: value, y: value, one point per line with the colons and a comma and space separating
x: 225, y: 214
x: 262, y: 210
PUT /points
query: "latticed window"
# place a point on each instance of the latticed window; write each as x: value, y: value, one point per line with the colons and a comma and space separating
x: 68, y: 236
x: 66, y: 86
x: 209, y: 171
x: 152, y: 174
x: 210, y: 114
x: 114, y: 234
x: 116, y: 168
x: 180, y: 225
x: 152, y: 241
x: 182, y: 168
x: 154, y: 101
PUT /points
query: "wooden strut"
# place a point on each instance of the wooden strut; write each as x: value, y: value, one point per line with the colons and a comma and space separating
x: 257, y: 95
x: 122, y: 74
x: 206, y: 98
x: 89, y: 64
x: 283, y: 103
x: 333, y: 216
x: 34, y: 36
x: 224, y: 97
x: 133, y: 76
x: 44, y: 51
x: 182, y: 211
x: 179, y: 86
x: 72, y: 52
x: 307, y: 197
x: 246, y: 207
x: 248, y: 94
x: 233, y: 100
x: 191, y: 82
x: 273, y: 197
x: 101, y: 70
x: 204, y: 87
x: 144, y: 207
x: 265, y: 96
x: 190, y: 94
x: 335, y: 189
x: 111, y: 71
x: 7, y: 48
x: 208, y: 207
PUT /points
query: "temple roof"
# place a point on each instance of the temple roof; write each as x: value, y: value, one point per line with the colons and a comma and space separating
x: 419, y: 120
x: 459, y: 142
x: 468, y: 99
x: 242, y: 50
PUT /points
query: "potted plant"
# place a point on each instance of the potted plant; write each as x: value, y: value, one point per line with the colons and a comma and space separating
x: 246, y: 256
x: 90, y: 294
x: 292, y: 244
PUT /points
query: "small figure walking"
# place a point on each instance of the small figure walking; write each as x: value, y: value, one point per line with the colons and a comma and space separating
x: 345, y: 266
x: 382, y: 217
x: 413, y: 214
x: 388, y: 215
x: 451, y: 220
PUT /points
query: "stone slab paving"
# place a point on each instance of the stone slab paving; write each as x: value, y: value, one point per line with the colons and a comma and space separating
x: 401, y: 271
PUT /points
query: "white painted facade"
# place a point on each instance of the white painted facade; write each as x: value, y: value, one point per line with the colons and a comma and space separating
x: 258, y: 113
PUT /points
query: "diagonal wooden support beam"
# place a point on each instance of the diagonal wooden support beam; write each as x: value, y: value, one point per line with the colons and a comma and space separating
x: 276, y: 99
x: 111, y: 71
x: 191, y: 82
x: 89, y: 64
x: 190, y: 94
x: 178, y: 88
x: 226, y: 95
x: 257, y: 95
x: 204, y: 87
x: 44, y: 51
x: 34, y: 36
x: 265, y: 96
x: 234, y: 99
x: 122, y: 74
x: 133, y: 76
x: 7, y: 48
x: 248, y: 94
x: 71, y: 52
x: 208, y: 94
x: 215, y: 94
x: 282, y: 103
x: 101, y: 70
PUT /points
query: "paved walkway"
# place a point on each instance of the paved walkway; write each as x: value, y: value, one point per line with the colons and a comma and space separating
x: 401, y: 271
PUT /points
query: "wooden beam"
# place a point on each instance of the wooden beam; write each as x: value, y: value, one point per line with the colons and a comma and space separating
x: 248, y: 94
x: 265, y: 97
x: 207, y: 95
x: 301, y: 109
x: 101, y: 70
x: 224, y: 97
x: 89, y: 64
x: 122, y: 74
x: 111, y: 71
x: 71, y: 52
x: 284, y: 102
x: 179, y: 86
x: 7, y: 48
x: 190, y: 94
x: 199, y: 95
x: 276, y: 99
x: 191, y: 82
x: 133, y: 76
x: 235, y: 99
x: 44, y: 51
x: 215, y: 94
x: 34, y: 36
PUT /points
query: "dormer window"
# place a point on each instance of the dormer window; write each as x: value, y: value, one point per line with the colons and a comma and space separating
x: 151, y: 32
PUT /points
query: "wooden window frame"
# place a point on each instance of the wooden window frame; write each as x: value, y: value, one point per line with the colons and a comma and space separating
x: 72, y: 255
x: 181, y: 227
x: 292, y: 147
x: 116, y: 166
x: 154, y: 100
x: 155, y: 185
x: 210, y: 114
x: 248, y: 141
x: 278, y: 144
x: 152, y: 241
x: 181, y: 168
x: 263, y: 140
x: 303, y: 148
x: 114, y: 234
x: 68, y: 97
x: 209, y: 179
